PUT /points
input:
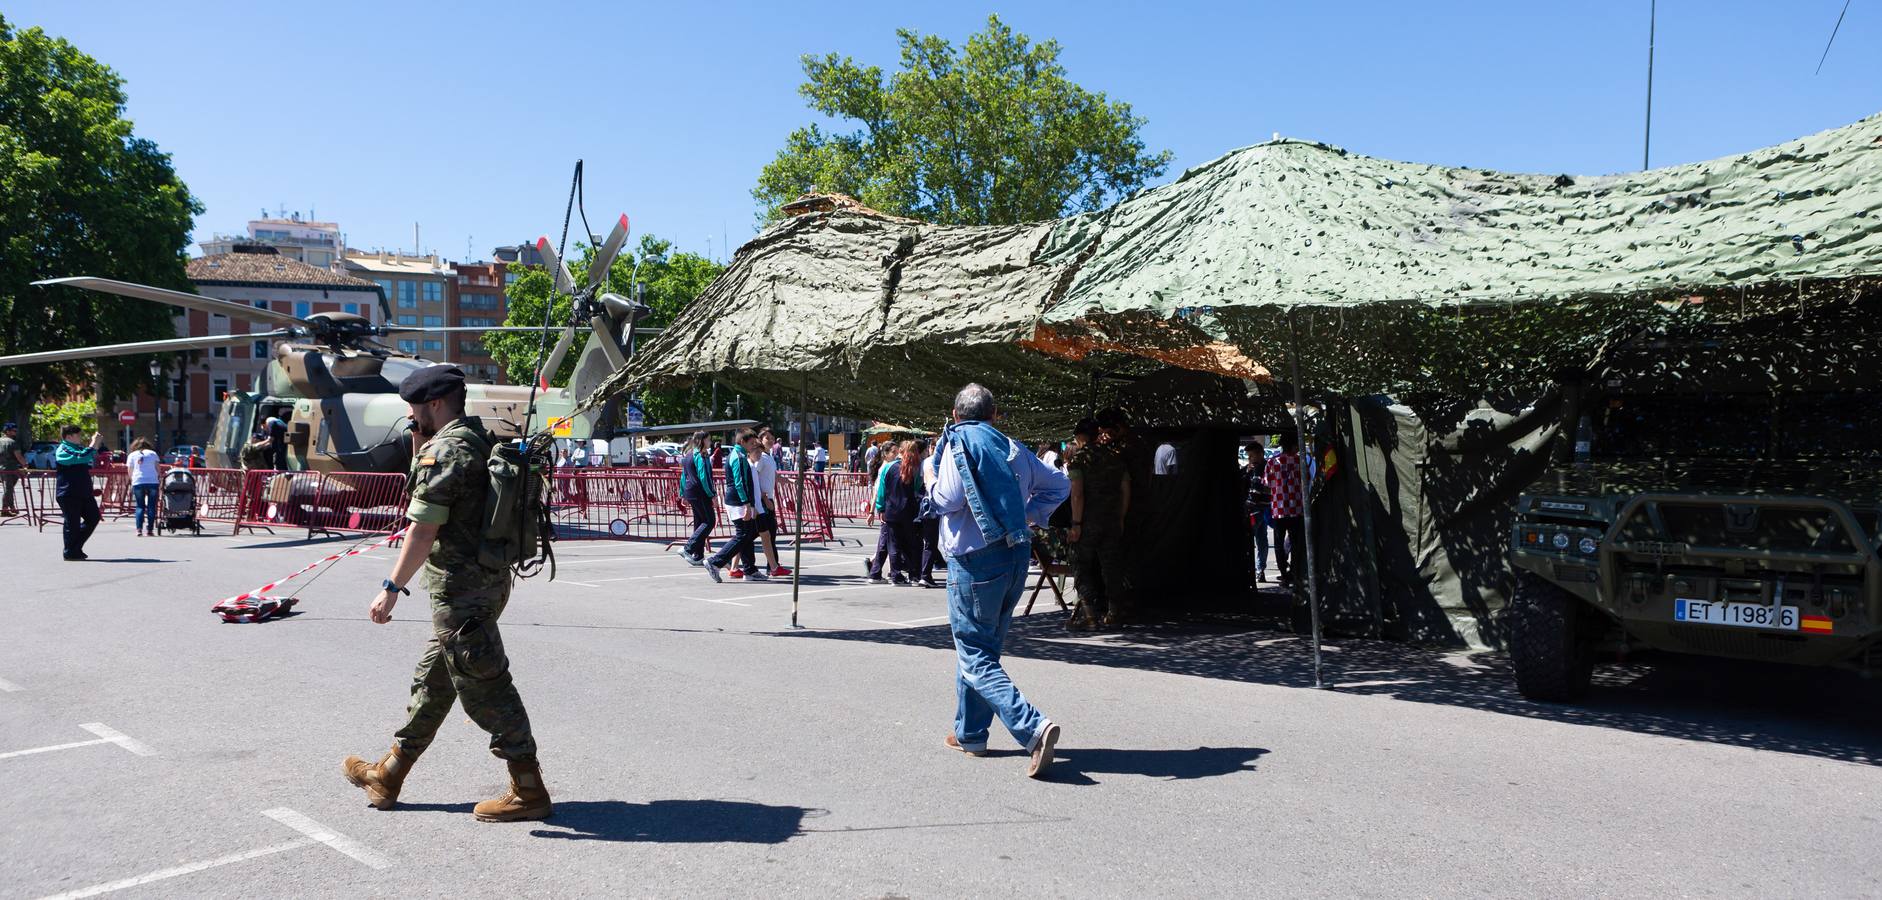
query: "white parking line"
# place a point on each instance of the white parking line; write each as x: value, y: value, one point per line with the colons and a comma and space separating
x: 8, y: 686
x: 12, y: 753
x: 119, y: 738
x: 327, y: 836
x: 106, y: 735
x: 726, y: 602
x: 184, y: 869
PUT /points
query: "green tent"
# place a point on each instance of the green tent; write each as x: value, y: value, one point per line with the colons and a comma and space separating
x: 1410, y: 277
x: 1428, y: 286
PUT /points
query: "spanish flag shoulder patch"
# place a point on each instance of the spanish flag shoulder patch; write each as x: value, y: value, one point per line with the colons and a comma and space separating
x: 1817, y: 624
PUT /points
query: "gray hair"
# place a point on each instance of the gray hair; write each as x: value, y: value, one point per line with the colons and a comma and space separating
x: 974, y: 403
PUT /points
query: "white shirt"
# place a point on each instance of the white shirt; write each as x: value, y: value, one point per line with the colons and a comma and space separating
x: 765, y: 474
x: 1166, y: 459
x: 819, y: 454
x: 143, y: 466
x: 1051, y: 458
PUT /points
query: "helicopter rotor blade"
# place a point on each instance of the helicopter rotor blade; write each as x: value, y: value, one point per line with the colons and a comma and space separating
x: 564, y: 282
x: 554, y: 362
x: 598, y: 270
x: 449, y: 329
x: 142, y: 347
x: 177, y: 298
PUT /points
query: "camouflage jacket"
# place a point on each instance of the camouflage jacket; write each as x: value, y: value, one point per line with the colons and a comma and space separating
x: 1099, y: 472
x: 449, y: 484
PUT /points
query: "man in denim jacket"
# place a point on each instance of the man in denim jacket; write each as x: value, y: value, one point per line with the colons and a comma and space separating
x: 988, y: 489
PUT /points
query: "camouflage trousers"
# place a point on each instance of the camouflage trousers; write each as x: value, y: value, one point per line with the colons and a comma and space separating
x: 465, y: 661
x: 1098, y: 574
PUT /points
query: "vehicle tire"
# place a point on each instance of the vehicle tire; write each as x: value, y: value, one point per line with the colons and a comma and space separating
x: 1551, y: 641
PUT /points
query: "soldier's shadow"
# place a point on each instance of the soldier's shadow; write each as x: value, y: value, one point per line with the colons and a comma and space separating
x: 675, y: 822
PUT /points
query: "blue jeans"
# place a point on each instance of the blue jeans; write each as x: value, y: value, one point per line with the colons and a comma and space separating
x: 983, y: 588
x: 145, y: 496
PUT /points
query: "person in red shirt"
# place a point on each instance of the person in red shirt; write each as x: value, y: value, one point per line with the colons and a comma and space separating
x: 1286, y: 505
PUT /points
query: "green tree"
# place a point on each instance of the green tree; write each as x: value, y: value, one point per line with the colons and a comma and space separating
x: 669, y: 282
x: 992, y: 134
x: 80, y: 194
x: 49, y: 418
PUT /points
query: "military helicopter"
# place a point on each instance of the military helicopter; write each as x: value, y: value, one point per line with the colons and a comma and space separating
x: 336, y: 386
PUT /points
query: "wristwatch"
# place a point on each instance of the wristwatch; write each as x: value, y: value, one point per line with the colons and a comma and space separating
x: 388, y: 585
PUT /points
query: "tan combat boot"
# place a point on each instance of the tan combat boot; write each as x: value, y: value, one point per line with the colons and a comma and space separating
x: 526, y: 799
x: 383, y: 779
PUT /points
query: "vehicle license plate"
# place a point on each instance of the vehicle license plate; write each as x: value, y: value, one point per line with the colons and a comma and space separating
x: 1743, y: 615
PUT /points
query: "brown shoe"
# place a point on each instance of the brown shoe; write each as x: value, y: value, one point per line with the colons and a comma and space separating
x: 954, y: 743
x: 383, y: 779
x: 526, y: 799
x: 1042, y: 751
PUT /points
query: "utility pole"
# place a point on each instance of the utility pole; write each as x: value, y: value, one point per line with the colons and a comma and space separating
x: 1646, y: 151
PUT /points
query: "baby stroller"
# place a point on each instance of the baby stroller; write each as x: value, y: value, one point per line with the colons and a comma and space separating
x: 179, y: 503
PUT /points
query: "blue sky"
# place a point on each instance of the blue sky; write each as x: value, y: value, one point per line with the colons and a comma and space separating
x: 466, y: 117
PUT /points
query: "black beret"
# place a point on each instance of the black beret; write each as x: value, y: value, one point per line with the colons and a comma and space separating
x: 432, y: 383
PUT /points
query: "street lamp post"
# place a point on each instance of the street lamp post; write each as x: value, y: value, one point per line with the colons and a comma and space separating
x: 156, y: 397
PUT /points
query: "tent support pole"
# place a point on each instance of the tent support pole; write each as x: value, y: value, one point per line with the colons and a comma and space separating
x: 803, y: 474
x: 1306, y: 489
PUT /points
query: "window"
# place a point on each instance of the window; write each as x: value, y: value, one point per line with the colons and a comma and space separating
x: 219, y: 352
x: 219, y: 388
x: 385, y: 287
x: 473, y: 348
x: 408, y: 320
x: 408, y: 294
x: 434, y: 321
x: 352, y: 308
x: 303, y: 308
x: 408, y: 346
x: 478, y: 322
x: 434, y: 345
x: 434, y: 292
x: 477, y: 301
x: 261, y: 349
x: 261, y: 304
x: 509, y: 278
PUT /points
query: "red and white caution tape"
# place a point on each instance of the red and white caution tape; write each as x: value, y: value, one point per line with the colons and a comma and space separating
x: 255, y: 605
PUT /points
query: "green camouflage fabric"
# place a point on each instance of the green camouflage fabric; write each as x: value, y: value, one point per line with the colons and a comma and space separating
x: 254, y: 456
x: 449, y: 484
x: 1098, y: 559
x: 464, y: 659
x: 1098, y: 471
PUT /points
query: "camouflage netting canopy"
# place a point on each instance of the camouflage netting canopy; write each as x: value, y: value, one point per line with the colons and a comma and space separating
x: 1395, y: 277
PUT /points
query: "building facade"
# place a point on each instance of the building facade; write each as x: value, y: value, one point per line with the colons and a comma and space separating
x: 480, y: 300
x: 303, y: 240
x: 252, y: 275
x: 421, y: 291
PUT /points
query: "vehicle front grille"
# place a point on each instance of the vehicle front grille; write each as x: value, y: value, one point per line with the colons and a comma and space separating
x: 1738, y: 642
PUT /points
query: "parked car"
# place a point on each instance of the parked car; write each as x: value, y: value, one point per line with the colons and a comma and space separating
x: 40, y: 456
x: 189, y: 455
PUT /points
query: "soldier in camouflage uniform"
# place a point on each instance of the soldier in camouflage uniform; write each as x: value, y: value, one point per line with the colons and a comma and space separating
x: 464, y: 659
x: 1101, y: 493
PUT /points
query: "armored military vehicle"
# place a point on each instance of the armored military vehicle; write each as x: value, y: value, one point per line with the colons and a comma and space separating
x: 1722, y: 499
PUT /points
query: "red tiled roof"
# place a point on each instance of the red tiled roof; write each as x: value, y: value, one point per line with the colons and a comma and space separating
x: 269, y: 269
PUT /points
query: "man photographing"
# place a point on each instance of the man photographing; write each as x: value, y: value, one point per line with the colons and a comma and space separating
x: 79, y: 506
x: 464, y: 658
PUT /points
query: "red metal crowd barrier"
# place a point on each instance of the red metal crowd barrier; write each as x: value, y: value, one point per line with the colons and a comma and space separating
x: 357, y: 502
x: 849, y: 493
x: 218, y: 494
x: 645, y: 504
x: 629, y: 504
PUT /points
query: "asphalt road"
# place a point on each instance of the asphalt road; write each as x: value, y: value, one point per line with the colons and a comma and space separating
x: 696, y: 745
